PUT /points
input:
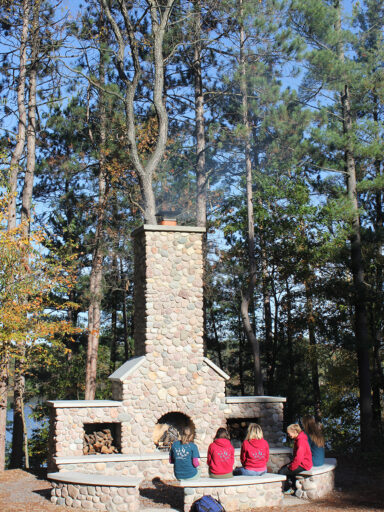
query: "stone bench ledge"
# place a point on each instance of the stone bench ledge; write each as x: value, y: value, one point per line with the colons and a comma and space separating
x: 232, y: 482
x: 121, y: 457
x: 329, y: 465
x: 74, y: 477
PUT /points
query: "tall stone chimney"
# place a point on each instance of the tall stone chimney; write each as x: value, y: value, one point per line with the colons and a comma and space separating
x: 168, y: 316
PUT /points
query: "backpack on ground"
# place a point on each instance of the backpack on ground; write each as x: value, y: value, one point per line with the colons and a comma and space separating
x: 207, y: 504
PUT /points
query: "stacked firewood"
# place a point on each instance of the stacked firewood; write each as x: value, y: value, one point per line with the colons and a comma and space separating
x: 100, y: 441
x: 167, y: 438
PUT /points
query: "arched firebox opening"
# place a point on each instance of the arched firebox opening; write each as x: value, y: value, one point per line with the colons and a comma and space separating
x: 169, y: 427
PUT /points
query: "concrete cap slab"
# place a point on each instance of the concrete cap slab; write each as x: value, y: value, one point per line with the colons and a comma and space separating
x: 74, y: 477
x: 128, y: 368
x: 78, y: 404
x: 234, y: 481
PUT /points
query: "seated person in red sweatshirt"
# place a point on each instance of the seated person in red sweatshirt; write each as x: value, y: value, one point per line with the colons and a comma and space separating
x: 254, y: 453
x: 221, y: 455
x: 302, y: 458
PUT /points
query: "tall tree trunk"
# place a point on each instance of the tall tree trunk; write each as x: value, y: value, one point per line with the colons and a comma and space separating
x: 267, y: 311
x: 115, y: 304
x: 291, y: 401
x: 377, y: 309
x: 4, y: 375
x: 126, y: 36
x: 22, y: 115
x: 201, y: 177
x: 124, y: 287
x: 11, y: 222
x: 361, y: 325
x: 19, y: 432
x: 252, y: 279
x: 241, y: 354
x: 313, y: 349
x: 96, y: 275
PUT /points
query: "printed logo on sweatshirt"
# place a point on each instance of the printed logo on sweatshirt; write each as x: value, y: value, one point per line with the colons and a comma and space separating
x: 258, y: 455
x: 181, y: 453
x: 224, y: 455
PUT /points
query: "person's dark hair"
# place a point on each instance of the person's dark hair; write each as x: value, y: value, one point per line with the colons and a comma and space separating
x: 313, y: 429
x: 222, y: 433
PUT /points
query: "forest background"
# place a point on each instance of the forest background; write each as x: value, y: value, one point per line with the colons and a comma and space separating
x: 259, y: 120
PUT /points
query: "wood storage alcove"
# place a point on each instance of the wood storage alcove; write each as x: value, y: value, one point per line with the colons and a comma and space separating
x: 169, y: 427
x: 103, y: 438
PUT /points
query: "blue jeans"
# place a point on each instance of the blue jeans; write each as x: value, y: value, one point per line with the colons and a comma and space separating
x: 248, y: 472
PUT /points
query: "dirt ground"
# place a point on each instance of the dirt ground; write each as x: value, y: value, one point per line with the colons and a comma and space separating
x: 356, y: 491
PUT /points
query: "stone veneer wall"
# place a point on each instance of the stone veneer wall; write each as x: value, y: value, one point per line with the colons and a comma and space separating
x: 67, y: 423
x: 316, y: 486
x: 89, y: 497
x: 155, y: 389
x: 238, y: 498
x: 268, y: 410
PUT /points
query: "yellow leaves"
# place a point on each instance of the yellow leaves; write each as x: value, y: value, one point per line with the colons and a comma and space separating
x: 27, y: 282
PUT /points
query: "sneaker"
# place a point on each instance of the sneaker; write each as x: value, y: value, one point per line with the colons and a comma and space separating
x: 289, y: 492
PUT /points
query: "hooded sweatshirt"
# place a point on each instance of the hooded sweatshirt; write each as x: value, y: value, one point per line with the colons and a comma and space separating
x: 221, y: 456
x: 254, y: 454
x: 302, y: 455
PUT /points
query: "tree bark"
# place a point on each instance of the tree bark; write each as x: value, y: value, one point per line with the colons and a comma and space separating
x: 252, y: 279
x: 311, y: 322
x: 241, y: 353
x: 19, y: 432
x: 4, y: 375
x: 115, y: 304
x: 291, y: 400
x: 124, y: 282
x: 159, y: 20
x: 96, y: 275
x: 377, y: 309
x: 22, y: 116
x: 201, y: 177
x: 12, y: 220
x: 269, y: 344
x: 361, y: 325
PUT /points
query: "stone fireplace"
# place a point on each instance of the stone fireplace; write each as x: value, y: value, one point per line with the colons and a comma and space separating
x: 169, y: 383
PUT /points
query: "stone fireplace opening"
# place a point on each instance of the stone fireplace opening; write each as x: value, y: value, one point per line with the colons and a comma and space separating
x: 168, y: 429
x: 103, y: 438
x: 237, y: 429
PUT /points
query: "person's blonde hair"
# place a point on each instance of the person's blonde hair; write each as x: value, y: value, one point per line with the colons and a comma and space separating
x: 254, y: 432
x: 294, y: 427
x: 187, y: 435
x: 313, y: 429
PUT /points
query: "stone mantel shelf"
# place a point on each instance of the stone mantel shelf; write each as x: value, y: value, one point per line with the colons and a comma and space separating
x: 121, y: 457
x: 78, y: 404
x: 253, y: 399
